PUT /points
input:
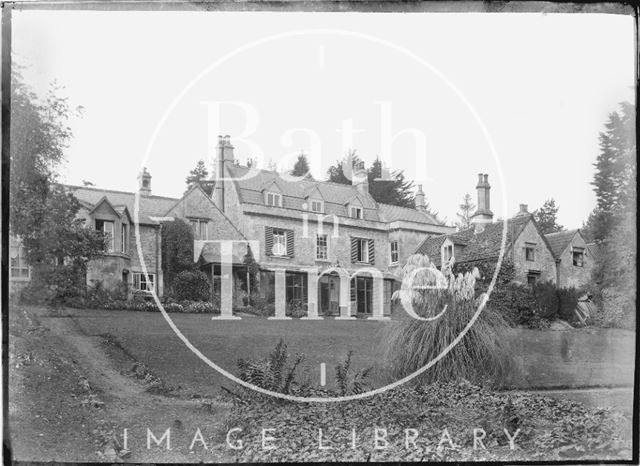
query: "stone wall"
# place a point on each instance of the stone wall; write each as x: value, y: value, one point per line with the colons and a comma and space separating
x: 150, y: 244
x: 543, y: 259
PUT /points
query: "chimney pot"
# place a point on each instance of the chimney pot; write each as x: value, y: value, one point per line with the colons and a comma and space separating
x: 486, y: 178
x: 479, y: 178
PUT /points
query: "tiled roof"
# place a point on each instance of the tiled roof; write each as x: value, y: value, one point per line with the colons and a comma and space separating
x: 393, y: 213
x: 559, y: 241
x: 150, y: 206
x: 336, y: 196
x: 483, y: 245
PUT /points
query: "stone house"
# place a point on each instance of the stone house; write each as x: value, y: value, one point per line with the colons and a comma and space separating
x: 112, y: 212
x: 327, y: 245
x: 525, y: 246
x: 574, y: 258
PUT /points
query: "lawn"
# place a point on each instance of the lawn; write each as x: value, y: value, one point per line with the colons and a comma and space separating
x: 575, y: 358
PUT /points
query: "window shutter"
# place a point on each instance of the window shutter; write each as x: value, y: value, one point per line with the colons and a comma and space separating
x: 372, y: 253
x: 268, y: 240
x: 289, y: 243
x: 354, y: 250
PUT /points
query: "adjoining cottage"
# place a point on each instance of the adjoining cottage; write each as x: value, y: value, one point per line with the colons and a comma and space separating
x: 524, y: 246
x: 574, y: 258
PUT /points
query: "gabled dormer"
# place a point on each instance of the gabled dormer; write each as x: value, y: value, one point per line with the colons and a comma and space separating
x: 314, y: 200
x: 114, y: 222
x: 272, y: 194
x: 355, y: 208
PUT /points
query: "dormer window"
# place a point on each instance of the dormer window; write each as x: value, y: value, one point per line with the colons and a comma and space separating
x: 447, y: 253
x: 355, y: 212
x: 317, y: 206
x: 578, y: 257
x: 529, y: 251
x: 273, y: 199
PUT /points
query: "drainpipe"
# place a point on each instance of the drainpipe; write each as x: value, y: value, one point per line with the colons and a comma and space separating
x: 158, y: 258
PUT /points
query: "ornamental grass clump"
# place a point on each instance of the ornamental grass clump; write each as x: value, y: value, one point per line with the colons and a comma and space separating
x: 443, y: 304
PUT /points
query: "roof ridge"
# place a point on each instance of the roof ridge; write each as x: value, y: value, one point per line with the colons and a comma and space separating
x: 115, y: 191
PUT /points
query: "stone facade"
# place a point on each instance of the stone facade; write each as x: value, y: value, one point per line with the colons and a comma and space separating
x: 542, y: 265
x: 570, y: 274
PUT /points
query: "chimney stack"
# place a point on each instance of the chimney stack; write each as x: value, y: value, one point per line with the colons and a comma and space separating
x: 421, y: 205
x: 144, y: 182
x: 483, y: 214
x: 224, y: 158
x: 360, y: 178
x: 523, y: 211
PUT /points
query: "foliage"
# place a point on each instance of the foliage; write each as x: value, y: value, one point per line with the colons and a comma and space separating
x: 197, y: 176
x: 176, y: 250
x: 615, y: 177
x: 350, y: 381
x: 43, y: 215
x: 615, y: 276
x: 296, y: 308
x: 191, y: 285
x: 449, y: 301
x: 486, y: 268
x: 547, y: 217
x: 547, y: 301
x: 274, y: 373
x: 301, y: 167
x: 253, y: 268
x: 549, y: 427
x: 396, y: 190
x: 466, y: 211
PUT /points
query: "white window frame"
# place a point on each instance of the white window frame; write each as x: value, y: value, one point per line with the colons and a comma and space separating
x: 317, y: 203
x: 279, y: 237
x: 447, y: 253
x: 273, y: 199
x: 124, y: 238
x: 21, y: 265
x: 394, y: 249
x: 140, y: 281
x: 356, y: 212
x: 363, y: 251
x: 320, y: 248
x: 111, y: 244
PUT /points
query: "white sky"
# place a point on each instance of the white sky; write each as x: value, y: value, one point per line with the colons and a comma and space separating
x: 542, y: 85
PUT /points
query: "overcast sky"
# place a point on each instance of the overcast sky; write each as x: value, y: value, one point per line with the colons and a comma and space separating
x: 540, y: 86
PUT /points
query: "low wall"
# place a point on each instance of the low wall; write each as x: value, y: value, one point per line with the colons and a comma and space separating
x: 575, y: 358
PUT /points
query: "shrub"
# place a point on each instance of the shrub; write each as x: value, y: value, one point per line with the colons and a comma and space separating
x: 191, y: 285
x: 200, y: 307
x: 274, y: 372
x: 349, y: 380
x: 546, y: 296
x: 296, y: 308
x: 482, y: 356
x: 515, y: 303
x: 567, y: 302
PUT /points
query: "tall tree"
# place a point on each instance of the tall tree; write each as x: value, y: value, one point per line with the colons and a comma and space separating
x: 547, y: 217
x: 466, y: 211
x: 615, y: 177
x: 42, y: 214
x: 336, y: 173
x: 395, y: 190
x: 301, y: 167
x: 197, y: 175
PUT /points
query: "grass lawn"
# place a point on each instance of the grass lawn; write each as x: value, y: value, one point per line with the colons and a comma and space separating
x: 576, y: 358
